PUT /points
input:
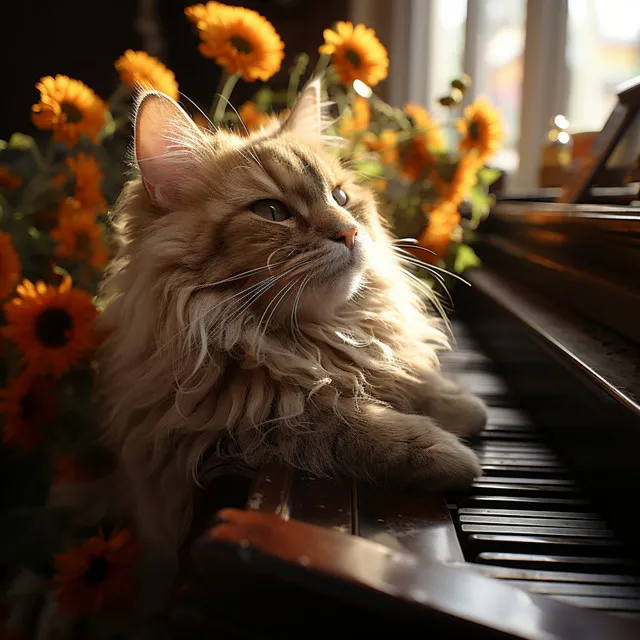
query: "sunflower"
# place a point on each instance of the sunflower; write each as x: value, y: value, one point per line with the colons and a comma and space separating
x: 9, y: 265
x: 427, y: 141
x: 69, y: 108
x: 481, y: 129
x: 97, y: 575
x: 28, y: 405
x: 138, y: 68
x: 436, y: 237
x: 386, y: 145
x: 88, y: 176
x: 252, y: 117
x: 454, y: 182
x: 356, y: 54
x: 50, y: 325
x: 358, y: 120
x: 240, y: 40
x: 203, y: 13
x: 80, y: 237
x: 9, y: 180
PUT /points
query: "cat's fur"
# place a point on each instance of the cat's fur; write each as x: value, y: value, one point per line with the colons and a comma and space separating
x: 332, y: 368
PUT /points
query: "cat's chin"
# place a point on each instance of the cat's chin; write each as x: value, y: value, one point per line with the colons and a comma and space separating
x: 333, y: 284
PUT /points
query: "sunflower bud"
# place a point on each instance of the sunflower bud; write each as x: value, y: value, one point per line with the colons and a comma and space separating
x: 462, y: 83
x: 454, y: 98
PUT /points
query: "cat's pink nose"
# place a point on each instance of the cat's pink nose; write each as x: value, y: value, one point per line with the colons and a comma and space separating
x: 348, y: 236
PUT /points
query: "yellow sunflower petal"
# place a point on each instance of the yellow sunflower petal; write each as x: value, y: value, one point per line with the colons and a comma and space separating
x: 356, y: 54
x: 69, y: 108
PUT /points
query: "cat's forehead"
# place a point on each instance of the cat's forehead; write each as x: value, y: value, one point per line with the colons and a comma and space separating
x: 293, y: 169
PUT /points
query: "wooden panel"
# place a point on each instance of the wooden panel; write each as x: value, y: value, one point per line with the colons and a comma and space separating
x: 417, y: 522
x: 322, y: 501
x: 271, y: 492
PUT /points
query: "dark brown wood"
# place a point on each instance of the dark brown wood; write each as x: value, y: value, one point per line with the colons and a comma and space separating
x: 323, y: 501
x: 271, y: 492
x: 406, y: 521
x: 398, y: 590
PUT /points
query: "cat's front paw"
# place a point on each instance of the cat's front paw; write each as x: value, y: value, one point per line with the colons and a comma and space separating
x: 461, y: 413
x: 440, y: 462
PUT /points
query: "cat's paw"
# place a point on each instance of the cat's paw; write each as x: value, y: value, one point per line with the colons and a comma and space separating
x: 461, y: 413
x: 440, y: 462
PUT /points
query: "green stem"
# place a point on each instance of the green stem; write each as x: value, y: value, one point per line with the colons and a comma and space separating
x: 227, y: 82
x: 118, y: 97
x: 299, y: 67
x: 321, y: 65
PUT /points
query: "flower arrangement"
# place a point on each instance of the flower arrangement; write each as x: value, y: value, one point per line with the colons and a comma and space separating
x: 55, y: 240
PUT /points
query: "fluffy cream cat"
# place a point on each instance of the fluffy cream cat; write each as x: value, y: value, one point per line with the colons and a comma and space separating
x: 256, y: 308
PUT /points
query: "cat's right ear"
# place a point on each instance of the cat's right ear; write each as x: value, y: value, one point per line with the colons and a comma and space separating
x: 166, y: 143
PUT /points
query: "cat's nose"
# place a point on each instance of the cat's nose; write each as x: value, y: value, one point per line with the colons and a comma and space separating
x: 348, y: 236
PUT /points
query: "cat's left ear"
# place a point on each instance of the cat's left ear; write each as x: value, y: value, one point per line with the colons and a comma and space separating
x: 166, y: 144
x: 307, y: 119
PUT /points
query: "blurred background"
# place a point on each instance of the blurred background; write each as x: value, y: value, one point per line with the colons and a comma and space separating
x: 533, y: 58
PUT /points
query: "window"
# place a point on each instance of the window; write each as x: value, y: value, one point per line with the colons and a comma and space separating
x: 499, y: 66
x: 603, y: 50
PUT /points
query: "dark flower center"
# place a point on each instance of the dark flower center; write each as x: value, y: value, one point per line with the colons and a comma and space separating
x: 474, y: 130
x: 97, y: 572
x: 52, y: 327
x: 71, y: 111
x: 241, y: 44
x: 27, y: 407
x: 353, y: 58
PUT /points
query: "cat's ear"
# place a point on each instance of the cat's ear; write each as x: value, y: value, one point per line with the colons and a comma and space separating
x: 166, y: 141
x: 307, y: 119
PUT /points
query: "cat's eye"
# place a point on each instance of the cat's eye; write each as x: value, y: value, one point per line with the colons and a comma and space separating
x: 271, y: 210
x: 340, y: 196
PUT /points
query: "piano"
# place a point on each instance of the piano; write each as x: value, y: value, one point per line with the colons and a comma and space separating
x: 545, y: 543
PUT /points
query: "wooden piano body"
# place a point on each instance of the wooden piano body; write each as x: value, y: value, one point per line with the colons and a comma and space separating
x: 544, y: 544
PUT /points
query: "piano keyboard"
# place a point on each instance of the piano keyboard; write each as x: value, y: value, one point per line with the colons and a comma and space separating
x: 526, y: 520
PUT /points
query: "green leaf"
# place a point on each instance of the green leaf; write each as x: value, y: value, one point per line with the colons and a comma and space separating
x: 21, y: 141
x: 465, y: 259
x: 487, y: 176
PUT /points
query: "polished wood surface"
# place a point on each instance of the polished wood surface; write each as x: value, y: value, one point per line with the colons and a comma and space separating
x: 397, y: 589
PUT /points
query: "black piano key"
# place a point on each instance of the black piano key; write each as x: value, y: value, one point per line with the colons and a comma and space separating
x: 606, y: 604
x: 541, y: 482
x: 559, y: 563
x: 524, y: 502
x: 533, y: 575
x: 537, y: 531
x: 533, y: 521
x: 578, y: 589
x: 479, y: 543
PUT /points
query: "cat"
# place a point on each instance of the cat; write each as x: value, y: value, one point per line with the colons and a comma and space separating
x: 256, y: 308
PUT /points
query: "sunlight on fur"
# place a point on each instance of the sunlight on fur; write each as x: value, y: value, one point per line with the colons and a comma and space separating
x: 257, y: 308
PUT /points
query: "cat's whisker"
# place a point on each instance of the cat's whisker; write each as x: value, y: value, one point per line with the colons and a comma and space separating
x: 240, y: 276
x: 432, y: 267
x: 434, y: 274
x: 414, y: 246
x: 430, y: 295
x: 201, y: 111
x: 280, y: 298
x: 269, y: 283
